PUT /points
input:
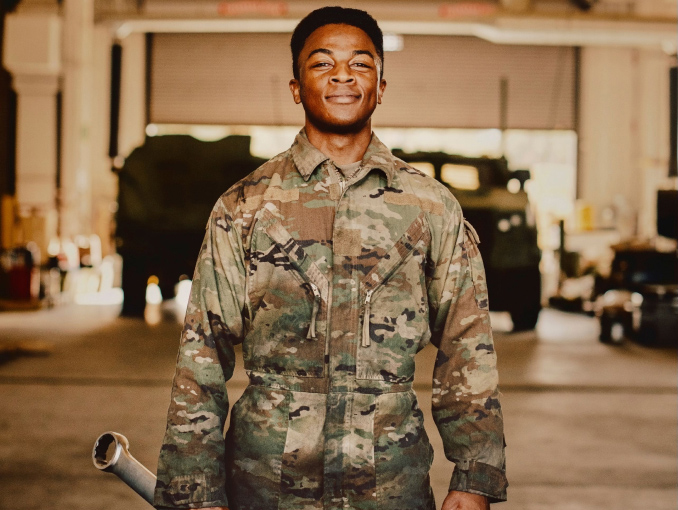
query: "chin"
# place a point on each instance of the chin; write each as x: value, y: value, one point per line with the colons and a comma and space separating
x: 343, y: 128
x: 341, y: 125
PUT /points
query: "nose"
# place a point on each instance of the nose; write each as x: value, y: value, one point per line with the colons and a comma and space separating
x: 342, y: 74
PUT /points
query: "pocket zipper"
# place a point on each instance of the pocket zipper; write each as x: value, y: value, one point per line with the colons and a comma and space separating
x: 366, y: 319
x: 316, y: 307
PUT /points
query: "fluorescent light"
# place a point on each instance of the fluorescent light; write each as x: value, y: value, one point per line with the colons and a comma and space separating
x: 393, y: 42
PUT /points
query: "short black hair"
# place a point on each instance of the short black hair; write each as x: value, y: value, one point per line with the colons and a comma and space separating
x: 331, y: 16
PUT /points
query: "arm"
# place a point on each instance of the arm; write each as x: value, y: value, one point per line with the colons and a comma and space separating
x: 466, y: 405
x: 191, y: 469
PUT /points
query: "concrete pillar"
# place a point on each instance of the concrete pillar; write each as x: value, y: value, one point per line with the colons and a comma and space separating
x: 132, y: 93
x: 76, y: 166
x: 32, y: 54
x: 623, y: 134
x: 654, y: 132
x: 104, y: 180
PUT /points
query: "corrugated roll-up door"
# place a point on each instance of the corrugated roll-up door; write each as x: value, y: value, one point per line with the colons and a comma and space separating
x: 435, y: 81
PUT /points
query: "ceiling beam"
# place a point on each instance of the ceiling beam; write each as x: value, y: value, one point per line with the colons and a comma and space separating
x: 499, y: 30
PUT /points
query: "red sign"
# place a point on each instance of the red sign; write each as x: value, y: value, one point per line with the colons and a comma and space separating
x: 261, y: 7
x: 466, y: 10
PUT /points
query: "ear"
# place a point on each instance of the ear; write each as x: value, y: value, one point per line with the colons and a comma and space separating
x: 295, y: 88
x: 382, y: 87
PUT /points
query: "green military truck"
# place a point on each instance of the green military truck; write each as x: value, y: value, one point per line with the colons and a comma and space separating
x: 504, y: 222
x: 167, y: 188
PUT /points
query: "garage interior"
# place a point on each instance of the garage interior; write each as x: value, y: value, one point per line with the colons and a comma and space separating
x: 122, y: 121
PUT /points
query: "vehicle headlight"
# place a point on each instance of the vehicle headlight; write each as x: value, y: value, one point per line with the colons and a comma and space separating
x: 513, y: 185
x: 636, y: 299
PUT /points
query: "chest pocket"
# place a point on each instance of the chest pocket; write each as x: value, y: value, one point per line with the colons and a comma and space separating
x: 395, y: 309
x: 289, y: 296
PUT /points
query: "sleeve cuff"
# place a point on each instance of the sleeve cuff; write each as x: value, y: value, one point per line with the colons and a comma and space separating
x: 479, y: 478
x: 190, y: 491
x: 191, y: 506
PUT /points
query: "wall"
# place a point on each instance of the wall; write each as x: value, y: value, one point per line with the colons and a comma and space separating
x: 624, y: 129
x: 623, y: 114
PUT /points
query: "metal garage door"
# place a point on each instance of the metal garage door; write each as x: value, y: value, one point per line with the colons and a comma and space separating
x: 435, y: 81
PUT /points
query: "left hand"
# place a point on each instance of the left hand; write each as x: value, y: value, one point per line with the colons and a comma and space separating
x: 457, y: 500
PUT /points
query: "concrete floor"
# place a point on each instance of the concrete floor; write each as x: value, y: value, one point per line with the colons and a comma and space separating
x: 588, y: 426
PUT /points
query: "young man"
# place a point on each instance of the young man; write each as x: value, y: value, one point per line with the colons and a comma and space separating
x: 334, y: 264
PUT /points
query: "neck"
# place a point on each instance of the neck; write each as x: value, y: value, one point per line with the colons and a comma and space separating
x: 342, y: 148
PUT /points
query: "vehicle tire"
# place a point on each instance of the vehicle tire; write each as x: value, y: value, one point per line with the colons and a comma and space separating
x: 517, y: 291
x: 134, y: 279
x: 526, y: 319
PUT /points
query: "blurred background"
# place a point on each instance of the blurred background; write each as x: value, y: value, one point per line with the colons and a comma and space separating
x: 552, y: 121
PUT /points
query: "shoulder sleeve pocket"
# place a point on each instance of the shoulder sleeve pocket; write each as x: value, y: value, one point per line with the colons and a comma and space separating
x: 475, y: 264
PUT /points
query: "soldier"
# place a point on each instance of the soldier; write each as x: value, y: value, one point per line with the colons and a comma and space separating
x: 333, y: 264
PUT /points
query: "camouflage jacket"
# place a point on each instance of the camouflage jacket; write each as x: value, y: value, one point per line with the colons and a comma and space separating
x: 332, y: 285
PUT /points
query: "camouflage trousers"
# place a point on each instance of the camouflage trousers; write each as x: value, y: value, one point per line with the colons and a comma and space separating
x: 299, y: 443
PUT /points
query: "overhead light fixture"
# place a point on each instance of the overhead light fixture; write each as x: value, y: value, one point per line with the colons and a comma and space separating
x: 393, y: 42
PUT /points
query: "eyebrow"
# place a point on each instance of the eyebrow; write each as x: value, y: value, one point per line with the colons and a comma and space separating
x: 325, y: 51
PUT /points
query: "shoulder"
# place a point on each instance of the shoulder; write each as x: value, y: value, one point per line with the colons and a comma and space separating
x: 433, y: 194
x: 272, y: 172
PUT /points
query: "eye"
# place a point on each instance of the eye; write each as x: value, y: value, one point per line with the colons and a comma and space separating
x: 320, y: 64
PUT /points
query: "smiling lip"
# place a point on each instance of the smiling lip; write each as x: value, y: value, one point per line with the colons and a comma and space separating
x: 342, y: 98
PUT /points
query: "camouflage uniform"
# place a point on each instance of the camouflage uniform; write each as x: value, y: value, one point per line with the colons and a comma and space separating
x: 332, y: 285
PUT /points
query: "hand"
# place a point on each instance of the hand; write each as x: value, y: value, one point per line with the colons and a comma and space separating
x: 457, y: 500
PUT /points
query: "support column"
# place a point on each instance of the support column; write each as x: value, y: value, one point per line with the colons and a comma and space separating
x: 32, y: 54
x: 75, y: 193
x: 609, y: 142
x: 624, y: 132
x: 104, y: 180
x: 654, y: 132
x: 132, y: 94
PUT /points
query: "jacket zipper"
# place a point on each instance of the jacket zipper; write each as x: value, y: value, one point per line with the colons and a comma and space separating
x: 327, y: 331
x: 342, y: 186
x: 366, y: 342
x: 316, y: 307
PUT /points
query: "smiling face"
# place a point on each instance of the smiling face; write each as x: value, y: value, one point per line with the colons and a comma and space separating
x: 339, y: 83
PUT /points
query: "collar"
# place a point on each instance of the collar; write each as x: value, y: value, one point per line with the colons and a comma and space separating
x: 307, y: 157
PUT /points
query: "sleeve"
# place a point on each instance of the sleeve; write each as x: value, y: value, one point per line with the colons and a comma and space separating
x: 191, y: 470
x: 466, y: 406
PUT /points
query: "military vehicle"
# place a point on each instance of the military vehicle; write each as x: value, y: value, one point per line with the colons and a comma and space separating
x: 504, y: 222
x: 167, y: 188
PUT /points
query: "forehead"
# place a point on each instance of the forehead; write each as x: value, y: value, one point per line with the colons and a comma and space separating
x: 338, y: 37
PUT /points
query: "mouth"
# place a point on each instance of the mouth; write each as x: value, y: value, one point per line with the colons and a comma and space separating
x: 342, y: 98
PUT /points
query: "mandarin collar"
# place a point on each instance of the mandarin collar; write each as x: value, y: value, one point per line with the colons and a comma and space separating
x: 307, y: 157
